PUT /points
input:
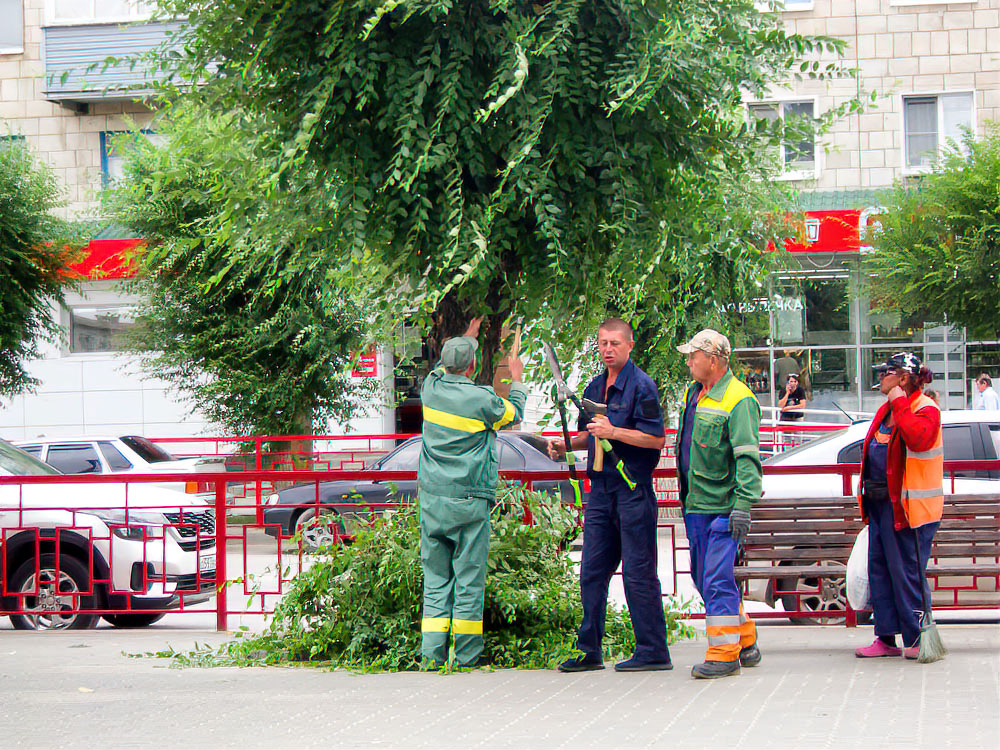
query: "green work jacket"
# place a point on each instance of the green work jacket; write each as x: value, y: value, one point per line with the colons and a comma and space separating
x: 724, y: 470
x: 458, y: 457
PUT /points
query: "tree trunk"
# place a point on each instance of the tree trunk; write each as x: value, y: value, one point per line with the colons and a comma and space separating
x: 451, y: 318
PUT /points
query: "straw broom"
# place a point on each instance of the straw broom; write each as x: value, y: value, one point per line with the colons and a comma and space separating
x: 931, y: 646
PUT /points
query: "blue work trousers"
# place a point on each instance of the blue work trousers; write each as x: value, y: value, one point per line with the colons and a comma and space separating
x: 713, y: 557
x: 896, y: 572
x: 620, y: 527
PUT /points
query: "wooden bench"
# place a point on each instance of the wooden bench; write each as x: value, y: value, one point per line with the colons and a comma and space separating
x: 800, y: 547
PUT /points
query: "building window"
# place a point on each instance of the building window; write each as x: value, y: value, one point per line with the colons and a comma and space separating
x: 96, y: 11
x: 99, y: 329
x: 12, y: 29
x: 797, y: 156
x: 784, y: 5
x: 930, y: 122
x: 114, y: 146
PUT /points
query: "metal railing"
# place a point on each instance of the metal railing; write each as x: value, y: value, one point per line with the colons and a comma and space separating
x: 126, y: 555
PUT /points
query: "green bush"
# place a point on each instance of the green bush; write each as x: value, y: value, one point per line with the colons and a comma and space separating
x: 359, y: 605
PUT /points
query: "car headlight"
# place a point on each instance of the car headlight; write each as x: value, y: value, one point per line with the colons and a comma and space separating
x: 135, y: 526
x: 271, y: 499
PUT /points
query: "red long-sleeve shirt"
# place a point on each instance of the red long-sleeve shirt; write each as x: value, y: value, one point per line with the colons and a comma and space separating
x: 915, y: 430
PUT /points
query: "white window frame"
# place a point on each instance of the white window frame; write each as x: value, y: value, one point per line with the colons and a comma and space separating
x: 904, y: 3
x: 779, y: 6
x: 904, y: 161
x: 98, y: 308
x: 786, y: 173
x: 16, y: 50
x: 134, y: 14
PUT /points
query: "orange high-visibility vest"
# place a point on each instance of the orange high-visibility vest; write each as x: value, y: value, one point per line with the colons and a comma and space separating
x: 922, y: 497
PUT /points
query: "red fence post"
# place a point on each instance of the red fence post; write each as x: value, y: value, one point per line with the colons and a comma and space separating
x: 221, y: 604
x: 259, y: 465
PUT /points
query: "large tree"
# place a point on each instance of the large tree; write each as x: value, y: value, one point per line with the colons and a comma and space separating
x: 539, y: 158
x: 938, y: 249
x: 34, y: 253
x: 240, y: 311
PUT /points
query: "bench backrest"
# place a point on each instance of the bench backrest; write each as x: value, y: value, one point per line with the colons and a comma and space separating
x: 812, y: 529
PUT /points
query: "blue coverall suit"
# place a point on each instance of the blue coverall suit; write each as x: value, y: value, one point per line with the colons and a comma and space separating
x: 620, y: 523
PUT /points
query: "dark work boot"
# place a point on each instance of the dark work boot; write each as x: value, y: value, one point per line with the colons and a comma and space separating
x: 750, y: 656
x: 637, y: 665
x: 711, y: 670
x: 582, y: 664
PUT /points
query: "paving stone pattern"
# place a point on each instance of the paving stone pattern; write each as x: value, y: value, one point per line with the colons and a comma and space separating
x: 79, y: 690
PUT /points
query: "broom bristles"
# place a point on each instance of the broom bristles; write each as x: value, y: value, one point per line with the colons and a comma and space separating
x: 931, y: 646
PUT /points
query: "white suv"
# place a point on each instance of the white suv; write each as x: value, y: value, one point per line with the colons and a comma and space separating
x: 967, y: 435
x: 125, y: 454
x: 123, y: 549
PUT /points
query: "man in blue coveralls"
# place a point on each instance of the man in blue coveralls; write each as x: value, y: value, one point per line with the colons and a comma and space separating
x: 620, y: 522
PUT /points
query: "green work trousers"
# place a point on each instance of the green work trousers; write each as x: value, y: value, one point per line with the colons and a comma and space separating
x: 454, y: 545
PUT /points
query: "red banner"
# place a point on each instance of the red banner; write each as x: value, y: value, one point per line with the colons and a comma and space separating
x: 367, y: 366
x: 106, y: 259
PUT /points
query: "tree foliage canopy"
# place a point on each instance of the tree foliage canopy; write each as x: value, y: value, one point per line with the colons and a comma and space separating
x: 240, y: 310
x: 938, y: 249
x: 33, y: 255
x: 542, y: 158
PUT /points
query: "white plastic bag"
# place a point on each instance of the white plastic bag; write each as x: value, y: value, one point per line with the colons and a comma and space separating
x: 858, y: 589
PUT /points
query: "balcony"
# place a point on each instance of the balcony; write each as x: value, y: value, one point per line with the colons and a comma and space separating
x: 75, y: 69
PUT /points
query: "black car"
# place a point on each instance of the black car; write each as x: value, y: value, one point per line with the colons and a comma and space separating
x: 345, y: 502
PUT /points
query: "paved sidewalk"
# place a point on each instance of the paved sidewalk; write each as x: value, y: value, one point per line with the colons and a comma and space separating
x: 79, y: 690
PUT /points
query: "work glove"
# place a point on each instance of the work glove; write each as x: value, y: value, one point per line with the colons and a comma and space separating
x: 739, y: 526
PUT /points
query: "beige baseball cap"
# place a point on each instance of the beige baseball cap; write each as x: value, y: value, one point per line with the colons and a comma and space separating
x: 708, y: 341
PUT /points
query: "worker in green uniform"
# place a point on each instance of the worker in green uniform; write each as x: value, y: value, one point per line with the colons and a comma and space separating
x: 457, y: 479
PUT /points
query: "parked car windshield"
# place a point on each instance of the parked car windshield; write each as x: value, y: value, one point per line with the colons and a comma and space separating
x: 149, y: 451
x: 405, y: 457
x: 16, y: 462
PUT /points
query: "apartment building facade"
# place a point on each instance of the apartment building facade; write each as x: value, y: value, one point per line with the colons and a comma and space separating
x: 934, y: 68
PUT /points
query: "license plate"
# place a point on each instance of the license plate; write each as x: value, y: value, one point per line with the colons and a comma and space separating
x: 206, y: 563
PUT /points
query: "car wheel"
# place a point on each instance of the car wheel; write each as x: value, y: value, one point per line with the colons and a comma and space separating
x: 814, y: 594
x: 317, y: 531
x: 134, y: 619
x: 57, y: 592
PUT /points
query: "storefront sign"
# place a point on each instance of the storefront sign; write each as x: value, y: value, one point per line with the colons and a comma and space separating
x: 367, y: 366
x: 107, y: 259
x: 836, y: 231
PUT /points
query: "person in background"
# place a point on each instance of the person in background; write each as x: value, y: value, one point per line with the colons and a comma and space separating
x: 901, y: 498
x: 933, y: 395
x: 792, y: 402
x: 988, y: 398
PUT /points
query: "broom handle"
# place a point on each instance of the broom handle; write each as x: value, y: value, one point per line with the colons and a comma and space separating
x: 925, y: 586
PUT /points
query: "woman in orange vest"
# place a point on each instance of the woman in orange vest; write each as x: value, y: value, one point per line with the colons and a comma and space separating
x: 901, y: 496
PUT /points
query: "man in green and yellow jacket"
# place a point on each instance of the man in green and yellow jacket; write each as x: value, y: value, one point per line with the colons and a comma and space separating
x: 457, y: 478
x: 719, y: 473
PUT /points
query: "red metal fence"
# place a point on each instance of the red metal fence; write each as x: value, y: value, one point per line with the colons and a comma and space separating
x: 112, y: 546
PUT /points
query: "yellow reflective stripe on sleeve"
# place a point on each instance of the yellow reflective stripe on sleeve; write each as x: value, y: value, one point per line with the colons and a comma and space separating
x: 508, y: 415
x: 435, y: 624
x: 468, y: 627
x: 453, y: 421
